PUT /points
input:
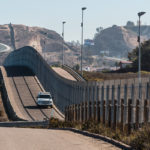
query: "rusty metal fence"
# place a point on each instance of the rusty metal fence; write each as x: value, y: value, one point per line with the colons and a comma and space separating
x: 111, y: 114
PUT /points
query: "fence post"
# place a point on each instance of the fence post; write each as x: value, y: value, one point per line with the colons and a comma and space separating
x: 98, y: 111
x: 66, y: 113
x: 86, y: 110
x: 125, y: 104
x: 129, y: 115
x: 84, y: 99
x: 122, y: 114
x: 76, y: 114
x: 109, y: 113
x: 94, y: 99
x: 95, y: 106
x: 82, y: 111
x: 133, y: 110
x: 90, y: 111
x: 97, y: 103
x: 79, y: 112
x: 137, y: 114
x: 104, y: 111
x: 91, y: 99
x: 101, y: 103
x: 112, y: 104
x: 107, y: 101
x: 118, y: 105
x: 146, y: 111
x: 115, y: 115
x: 88, y: 97
x: 70, y: 112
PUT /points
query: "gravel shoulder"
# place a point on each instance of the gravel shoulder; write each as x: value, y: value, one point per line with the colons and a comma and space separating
x: 48, y: 139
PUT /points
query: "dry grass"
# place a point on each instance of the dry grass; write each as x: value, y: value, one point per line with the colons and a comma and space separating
x: 138, y: 140
x: 99, y: 76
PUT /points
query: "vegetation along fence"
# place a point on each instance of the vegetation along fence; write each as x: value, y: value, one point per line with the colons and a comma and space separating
x: 115, y: 103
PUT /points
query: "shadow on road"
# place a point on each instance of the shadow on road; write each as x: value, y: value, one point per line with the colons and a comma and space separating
x: 18, y: 71
x: 36, y: 107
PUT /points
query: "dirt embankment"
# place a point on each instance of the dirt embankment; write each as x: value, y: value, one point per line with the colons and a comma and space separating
x: 3, y: 115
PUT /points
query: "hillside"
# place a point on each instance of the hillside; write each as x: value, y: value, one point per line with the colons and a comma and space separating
x: 43, y: 40
x: 119, y: 40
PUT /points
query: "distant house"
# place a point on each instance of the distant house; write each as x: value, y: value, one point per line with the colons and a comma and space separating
x: 88, y: 42
x: 105, y: 53
x: 87, y: 69
x: 123, y: 63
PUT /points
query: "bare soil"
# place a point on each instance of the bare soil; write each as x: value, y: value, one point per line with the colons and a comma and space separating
x: 3, y: 115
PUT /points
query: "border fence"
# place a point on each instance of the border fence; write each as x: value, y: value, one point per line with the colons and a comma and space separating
x: 112, y: 102
x: 115, y: 103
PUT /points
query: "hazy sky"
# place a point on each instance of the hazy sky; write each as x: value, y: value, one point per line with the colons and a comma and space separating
x: 51, y: 13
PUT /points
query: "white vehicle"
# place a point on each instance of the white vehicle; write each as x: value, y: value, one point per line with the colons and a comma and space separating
x: 44, y: 99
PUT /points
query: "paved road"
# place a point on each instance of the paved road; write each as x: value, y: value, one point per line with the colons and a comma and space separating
x: 63, y: 73
x: 4, y: 48
x: 46, y: 139
x: 23, y: 87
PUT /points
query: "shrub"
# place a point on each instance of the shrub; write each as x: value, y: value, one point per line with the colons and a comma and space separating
x: 141, y: 140
x: 138, y: 140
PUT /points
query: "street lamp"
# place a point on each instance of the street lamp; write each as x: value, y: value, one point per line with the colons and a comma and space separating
x: 63, y: 42
x: 83, y: 8
x: 139, y: 40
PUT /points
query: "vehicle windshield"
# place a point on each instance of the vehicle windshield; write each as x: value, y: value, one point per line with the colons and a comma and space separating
x: 44, y: 96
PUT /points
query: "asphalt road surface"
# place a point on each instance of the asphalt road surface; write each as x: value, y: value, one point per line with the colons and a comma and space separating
x: 47, y: 139
x: 23, y: 88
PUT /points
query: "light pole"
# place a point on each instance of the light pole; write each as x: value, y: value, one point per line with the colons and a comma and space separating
x: 139, y: 65
x: 83, y: 8
x: 63, y: 42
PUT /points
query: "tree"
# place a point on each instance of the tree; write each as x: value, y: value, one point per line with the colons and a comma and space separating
x: 145, y: 56
x: 99, y: 29
x: 77, y: 67
x: 130, y: 24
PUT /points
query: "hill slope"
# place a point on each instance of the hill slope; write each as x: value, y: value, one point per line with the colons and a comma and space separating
x: 43, y: 40
x: 119, y: 40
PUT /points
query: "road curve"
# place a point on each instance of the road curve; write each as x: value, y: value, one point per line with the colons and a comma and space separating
x: 5, y: 48
x: 23, y: 87
x: 46, y: 139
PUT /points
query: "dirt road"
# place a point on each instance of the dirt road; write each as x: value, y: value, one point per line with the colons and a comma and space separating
x: 46, y: 139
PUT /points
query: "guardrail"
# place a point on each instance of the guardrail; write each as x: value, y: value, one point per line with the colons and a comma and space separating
x: 73, y: 73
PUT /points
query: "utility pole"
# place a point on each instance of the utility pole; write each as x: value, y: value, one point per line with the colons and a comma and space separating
x: 83, y: 8
x: 63, y: 42
x: 139, y: 64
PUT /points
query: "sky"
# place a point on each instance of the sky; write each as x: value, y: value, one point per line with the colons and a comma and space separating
x: 51, y: 13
